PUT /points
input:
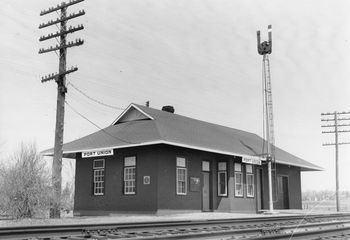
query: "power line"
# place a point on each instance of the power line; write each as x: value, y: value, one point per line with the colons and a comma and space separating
x: 93, y: 99
x: 81, y: 115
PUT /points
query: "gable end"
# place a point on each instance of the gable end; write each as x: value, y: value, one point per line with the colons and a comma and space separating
x: 132, y: 113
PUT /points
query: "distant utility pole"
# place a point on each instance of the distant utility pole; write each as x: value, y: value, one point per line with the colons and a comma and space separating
x: 60, y: 79
x: 336, y: 123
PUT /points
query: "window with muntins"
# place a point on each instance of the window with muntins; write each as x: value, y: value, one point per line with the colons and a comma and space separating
x: 222, y: 179
x: 250, y: 180
x: 130, y: 175
x: 238, y: 180
x: 181, y: 176
x: 99, y: 176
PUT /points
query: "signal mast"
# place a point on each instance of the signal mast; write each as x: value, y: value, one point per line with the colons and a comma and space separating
x: 265, y: 49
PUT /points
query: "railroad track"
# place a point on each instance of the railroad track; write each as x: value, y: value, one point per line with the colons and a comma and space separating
x: 330, y: 226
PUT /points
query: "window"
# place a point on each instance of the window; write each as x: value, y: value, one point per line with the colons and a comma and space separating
x: 238, y: 180
x: 250, y: 180
x: 99, y: 176
x: 130, y: 175
x: 222, y: 179
x: 181, y: 176
x: 205, y: 166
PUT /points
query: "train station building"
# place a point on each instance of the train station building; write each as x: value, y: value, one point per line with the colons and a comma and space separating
x: 155, y: 161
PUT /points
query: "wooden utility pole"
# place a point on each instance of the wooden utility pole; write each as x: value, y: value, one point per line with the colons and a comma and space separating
x: 60, y: 79
x: 335, y: 125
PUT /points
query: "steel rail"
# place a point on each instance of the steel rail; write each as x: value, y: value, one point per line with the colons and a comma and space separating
x: 251, y: 232
x: 81, y: 228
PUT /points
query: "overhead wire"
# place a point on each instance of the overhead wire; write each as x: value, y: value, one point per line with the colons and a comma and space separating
x: 87, y: 119
x: 75, y: 99
x: 93, y: 99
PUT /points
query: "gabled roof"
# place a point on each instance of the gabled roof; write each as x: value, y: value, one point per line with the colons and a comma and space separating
x: 132, y: 113
x: 140, y: 125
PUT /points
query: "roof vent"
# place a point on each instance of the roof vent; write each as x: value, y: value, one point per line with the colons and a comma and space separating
x: 168, y: 109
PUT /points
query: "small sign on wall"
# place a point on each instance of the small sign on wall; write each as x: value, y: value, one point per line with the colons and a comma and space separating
x: 195, y: 184
x: 251, y: 160
x: 146, y: 179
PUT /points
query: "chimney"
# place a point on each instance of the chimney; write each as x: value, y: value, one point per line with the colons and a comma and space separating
x: 147, y: 104
x: 168, y: 109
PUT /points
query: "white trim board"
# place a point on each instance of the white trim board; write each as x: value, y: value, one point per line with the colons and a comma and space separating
x: 127, y: 109
x: 157, y: 142
x: 185, y: 146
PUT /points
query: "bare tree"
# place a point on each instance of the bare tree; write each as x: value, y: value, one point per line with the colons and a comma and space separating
x: 67, y: 197
x: 25, y: 184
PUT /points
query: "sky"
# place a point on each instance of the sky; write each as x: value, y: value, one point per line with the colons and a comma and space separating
x: 199, y: 56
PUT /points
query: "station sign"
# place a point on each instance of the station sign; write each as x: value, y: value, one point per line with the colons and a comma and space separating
x: 251, y: 160
x: 98, y: 153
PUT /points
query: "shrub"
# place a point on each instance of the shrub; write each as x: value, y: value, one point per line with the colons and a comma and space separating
x: 25, y: 184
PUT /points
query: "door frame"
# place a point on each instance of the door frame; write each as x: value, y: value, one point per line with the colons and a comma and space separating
x: 259, y: 190
x: 210, y: 186
x: 287, y: 177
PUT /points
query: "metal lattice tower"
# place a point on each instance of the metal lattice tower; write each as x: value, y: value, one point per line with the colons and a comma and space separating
x: 270, y: 134
x: 265, y: 48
